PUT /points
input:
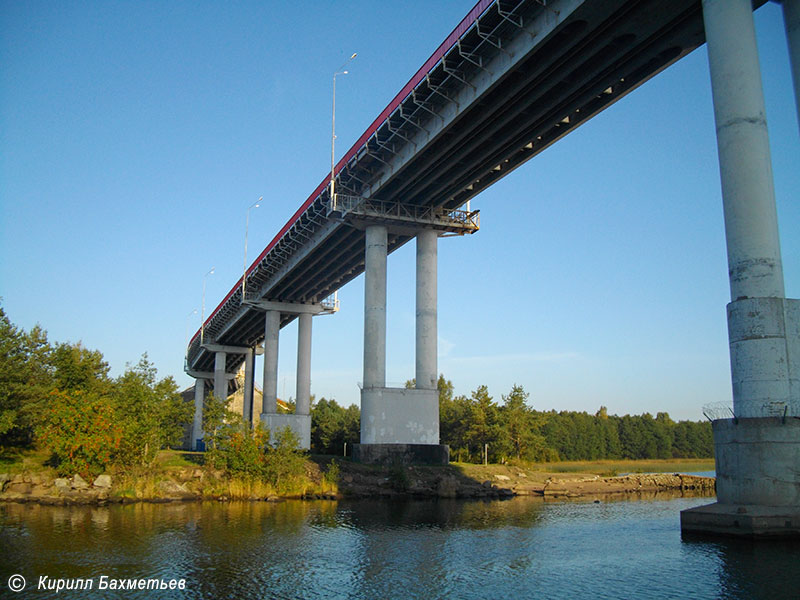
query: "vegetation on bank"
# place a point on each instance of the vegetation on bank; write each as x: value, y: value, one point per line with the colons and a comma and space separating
x: 59, y: 399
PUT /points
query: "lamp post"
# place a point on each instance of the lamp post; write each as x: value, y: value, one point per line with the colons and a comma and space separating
x: 255, y: 204
x: 186, y: 339
x: 203, y: 306
x: 339, y: 71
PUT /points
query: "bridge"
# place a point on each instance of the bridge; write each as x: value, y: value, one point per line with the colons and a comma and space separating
x: 511, y: 79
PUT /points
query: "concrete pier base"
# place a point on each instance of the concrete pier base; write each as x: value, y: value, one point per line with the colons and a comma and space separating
x: 400, y: 425
x: 399, y: 416
x: 402, y: 454
x: 300, y: 424
x: 758, y: 480
x: 742, y: 521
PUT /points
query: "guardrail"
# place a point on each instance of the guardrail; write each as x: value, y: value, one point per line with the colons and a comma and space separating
x: 451, y: 219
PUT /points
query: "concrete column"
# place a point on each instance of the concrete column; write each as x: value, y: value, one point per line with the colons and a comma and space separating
x: 272, y: 328
x: 757, y: 315
x: 791, y: 21
x: 220, y: 382
x: 199, y: 400
x: 748, y: 194
x: 375, y: 307
x: 426, y: 372
x: 249, y: 375
x: 303, y: 406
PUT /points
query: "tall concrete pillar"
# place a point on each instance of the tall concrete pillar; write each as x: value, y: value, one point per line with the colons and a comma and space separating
x: 375, y: 307
x: 756, y: 315
x: 199, y: 401
x: 756, y: 453
x: 272, y: 328
x: 303, y: 403
x: 220, y: 382
x: 426, y: 329
x: 249, y: 381
x: 791, y: 21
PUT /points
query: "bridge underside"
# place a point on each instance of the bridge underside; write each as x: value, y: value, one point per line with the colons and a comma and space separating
x: 523, y: 78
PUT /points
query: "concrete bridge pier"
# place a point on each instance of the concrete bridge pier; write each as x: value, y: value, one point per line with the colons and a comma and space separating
x: 300, y: 421
x: 399, y: 424
x: 220, y: 378
x: 199, y: 403
x: 757, y: 453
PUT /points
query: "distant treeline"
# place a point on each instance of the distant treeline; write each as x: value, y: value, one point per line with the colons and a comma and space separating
x: 512, y: 429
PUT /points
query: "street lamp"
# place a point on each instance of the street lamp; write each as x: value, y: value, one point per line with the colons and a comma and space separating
x: 255, y: 204
x: 339, y: 71
x: 203, y: 306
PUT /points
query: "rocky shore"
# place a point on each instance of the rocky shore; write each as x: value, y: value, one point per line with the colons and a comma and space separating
x: 358, y: 481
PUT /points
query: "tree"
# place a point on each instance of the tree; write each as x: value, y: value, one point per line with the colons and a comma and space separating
x: 151, y: 412
x: 522, y: 426
x: 81, y: 430
x: 25, y: 381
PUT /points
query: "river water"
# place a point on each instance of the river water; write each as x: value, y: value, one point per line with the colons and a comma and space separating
x: 519, y: 548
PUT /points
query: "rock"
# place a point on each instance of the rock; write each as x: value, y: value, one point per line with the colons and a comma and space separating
x: 522, y: 475
x: 103, y: 481
x: 62, y: 484
x: 502, y: 477
x: 447, y: 487
x: 173, y: 489
x: 19, y: 487
x: 79, y: 483
x: 4, y: 479
x: 487, y: 484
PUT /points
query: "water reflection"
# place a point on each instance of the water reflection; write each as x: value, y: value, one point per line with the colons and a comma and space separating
x: 617, y: 548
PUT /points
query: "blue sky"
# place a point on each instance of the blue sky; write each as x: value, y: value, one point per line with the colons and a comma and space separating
x: 133, y: 137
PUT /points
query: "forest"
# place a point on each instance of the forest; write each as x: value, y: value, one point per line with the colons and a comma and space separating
x: 513, y: 429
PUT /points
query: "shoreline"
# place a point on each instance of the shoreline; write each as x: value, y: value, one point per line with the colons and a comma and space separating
x: 462, y: 481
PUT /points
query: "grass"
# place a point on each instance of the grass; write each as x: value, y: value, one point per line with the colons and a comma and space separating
x: 20, y: 460
x: 615, y: 467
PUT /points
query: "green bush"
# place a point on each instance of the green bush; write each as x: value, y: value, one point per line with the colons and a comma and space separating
x: 81, y: 431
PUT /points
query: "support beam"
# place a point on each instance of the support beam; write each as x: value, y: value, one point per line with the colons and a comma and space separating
x: 375, y: 307
x: 220, y: 381
x: 289, y: 308
x: 426, y: 329
x: 791, y: 21
x: 249, y: 385
x: 303, y: 402
x: 197, y: 424
x: 272, y: 328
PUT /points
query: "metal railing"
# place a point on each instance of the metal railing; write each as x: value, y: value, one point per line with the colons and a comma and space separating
x: 411, y: 213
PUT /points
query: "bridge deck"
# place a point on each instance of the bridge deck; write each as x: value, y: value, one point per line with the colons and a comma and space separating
x: 511, y: 79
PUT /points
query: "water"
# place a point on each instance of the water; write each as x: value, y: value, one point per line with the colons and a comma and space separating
x: 522, y: 547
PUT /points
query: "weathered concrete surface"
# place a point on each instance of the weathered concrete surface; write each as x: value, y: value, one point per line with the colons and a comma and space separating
x: 758, y: 461
x: 300, y: 424
x: 375, y: 307
x: 742, y: 521
x: 758, y: 480
x: 403, y: 454
x: 272, y: 330
x: 427, y: 373
x: 399, y: 416
x: 764, y: 336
